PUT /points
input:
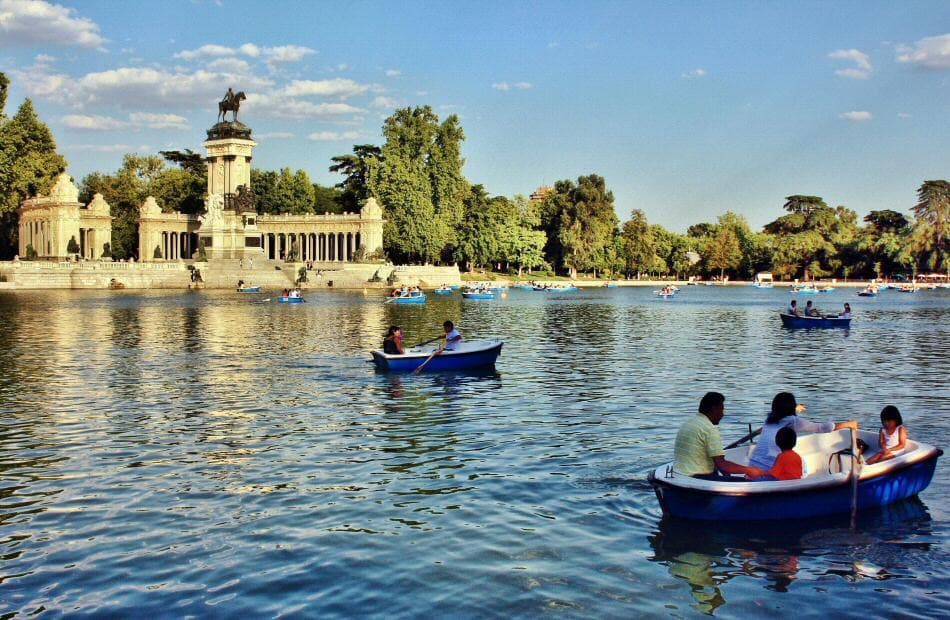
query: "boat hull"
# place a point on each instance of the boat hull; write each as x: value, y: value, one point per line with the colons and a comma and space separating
x: 413, y: 299
x: 478, y: 295
x: 249, y: 289
x: 290, y: 300
x: 441, y: 291
x: 806, y: 322
x: 473, y: 357
x: 799, y: 504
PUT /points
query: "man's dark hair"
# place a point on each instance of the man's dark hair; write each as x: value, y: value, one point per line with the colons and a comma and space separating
x: 448, y: 324
x: 710, y: 400
x: 786, y: 438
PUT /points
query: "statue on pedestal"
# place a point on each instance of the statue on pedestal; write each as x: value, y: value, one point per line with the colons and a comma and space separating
x: 214, y: 211
x: 230, y: 103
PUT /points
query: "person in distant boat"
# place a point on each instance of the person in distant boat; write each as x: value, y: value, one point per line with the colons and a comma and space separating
x: 452, y: 337
x: 285, y: 293
x: 392, y: 344
x: 788, y: 464
x: 892, y: 438
x: 698, y: 450
x: 811, y: 310
x: 784, y: 413
x: 793, y: 308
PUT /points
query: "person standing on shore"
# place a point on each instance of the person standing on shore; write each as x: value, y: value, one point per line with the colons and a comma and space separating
x: 698, y: 450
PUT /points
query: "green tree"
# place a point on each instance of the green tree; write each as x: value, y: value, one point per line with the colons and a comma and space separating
x: 264, y: 185
x: 356, y: 168
x: 588, y: 224
x: 29, y: 164
x: 638, y: 249
x: 449, y: 186
x: 328, y: 200
x: 724, y: 252
x: 930, y: 236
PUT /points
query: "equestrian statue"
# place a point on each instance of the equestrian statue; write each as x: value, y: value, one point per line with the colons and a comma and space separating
x: 231, y: 103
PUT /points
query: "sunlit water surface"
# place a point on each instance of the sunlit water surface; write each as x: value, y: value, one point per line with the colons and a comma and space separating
x: 171, y: 454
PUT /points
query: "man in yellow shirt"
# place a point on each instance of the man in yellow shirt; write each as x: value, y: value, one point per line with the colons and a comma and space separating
x: 698, y: 449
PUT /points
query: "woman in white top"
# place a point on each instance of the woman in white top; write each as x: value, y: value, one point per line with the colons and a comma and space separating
x: 785, y: 413
x: 893, y: 436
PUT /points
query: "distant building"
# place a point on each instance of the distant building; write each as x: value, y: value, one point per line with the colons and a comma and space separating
x: 541, y: 193
x: 49, y: 223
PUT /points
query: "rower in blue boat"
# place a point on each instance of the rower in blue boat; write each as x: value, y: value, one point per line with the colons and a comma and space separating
x: 698, y: 450
x: 452, y: 337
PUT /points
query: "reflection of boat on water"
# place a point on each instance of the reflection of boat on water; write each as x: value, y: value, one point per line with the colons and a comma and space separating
x: 483, y: 294
x: 825, y: 489
x: 469, y: 356
x: 774, y: 553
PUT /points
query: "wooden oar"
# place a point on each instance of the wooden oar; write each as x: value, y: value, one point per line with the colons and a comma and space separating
x: 426, y: 342
x: 425, y: 363
x: 855, y: 475
x: 754, y: 433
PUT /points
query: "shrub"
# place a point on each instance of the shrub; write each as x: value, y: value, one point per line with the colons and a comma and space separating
x: 72, y: 247
x: 30, y: 252
x: 106, y: 250
x: 301, y: 275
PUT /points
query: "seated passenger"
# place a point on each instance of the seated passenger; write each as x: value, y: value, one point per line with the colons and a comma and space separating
x: 811, y: 310
x: 392, y: 344
x: 793, y: 308
x: 893, y: 436
x: 788, y: 464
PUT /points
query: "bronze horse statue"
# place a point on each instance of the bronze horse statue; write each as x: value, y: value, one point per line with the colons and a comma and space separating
x: 230, y: 103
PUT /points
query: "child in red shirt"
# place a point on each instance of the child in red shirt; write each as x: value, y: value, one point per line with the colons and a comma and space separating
x: 788, y: 464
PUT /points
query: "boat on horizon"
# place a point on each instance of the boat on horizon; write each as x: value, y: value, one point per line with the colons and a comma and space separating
x: 470, y: 355
x: 826, y: 488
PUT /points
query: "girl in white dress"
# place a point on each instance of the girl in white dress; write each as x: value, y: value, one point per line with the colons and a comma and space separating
x: 893, y: 436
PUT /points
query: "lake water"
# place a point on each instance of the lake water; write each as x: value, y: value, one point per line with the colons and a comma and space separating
x: 173, y: 454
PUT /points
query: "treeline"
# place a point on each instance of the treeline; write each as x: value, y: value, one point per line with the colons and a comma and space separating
x: 434, y: 214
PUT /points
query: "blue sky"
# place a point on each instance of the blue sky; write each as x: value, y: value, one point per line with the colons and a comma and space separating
x: 688, y: 109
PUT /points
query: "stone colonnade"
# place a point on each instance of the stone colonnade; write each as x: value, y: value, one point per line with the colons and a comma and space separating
x: 47, y: 224
x: 321, y: 247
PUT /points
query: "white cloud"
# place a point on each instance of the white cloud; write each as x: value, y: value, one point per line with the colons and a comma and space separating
x: 278, y: 106
x: 229, y: 65
x: 36, y: 22
x: 92, y: 122
x: 109, y: 148
x: 382, y: 102
x: 343, y: 67
x: 857, y: 116
x: 337, y: 87
x: 929, y: 52
x: 695, y: 73
x: 393, y: 72
x: 274, y: 135
x: 523, y: 85
x: 277, y: 54
x: 158, y: 121
x: 503, y: 86
x: 862, y: 69
x: 137, y: 120
x: 903, y: 115
x: 333, y: 136
x: 287, y: 53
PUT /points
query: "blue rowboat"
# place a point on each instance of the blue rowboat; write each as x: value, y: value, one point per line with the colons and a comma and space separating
x: 790, y: 320
x: 825, y: 489
x: 474, y: 295
x: 443, y: 291
x: 290, y: 300
x: 805, y: 291
x: 469, y: 356
x: 866, y: 294
x: 454, y: 287
x: 497, y: 289
x: 249, y: 289
x: 411, y: 298
x: 610, y: 285
x: 524, y: 287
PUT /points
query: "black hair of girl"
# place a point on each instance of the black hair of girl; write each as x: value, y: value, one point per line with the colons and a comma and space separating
x: 891, y: 413
x: 783, y: 405
x: 392, y: 331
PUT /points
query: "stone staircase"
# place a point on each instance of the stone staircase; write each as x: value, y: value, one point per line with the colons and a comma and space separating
x: 268, y: 274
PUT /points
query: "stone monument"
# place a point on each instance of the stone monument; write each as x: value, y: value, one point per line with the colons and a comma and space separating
x: 229, y: 224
